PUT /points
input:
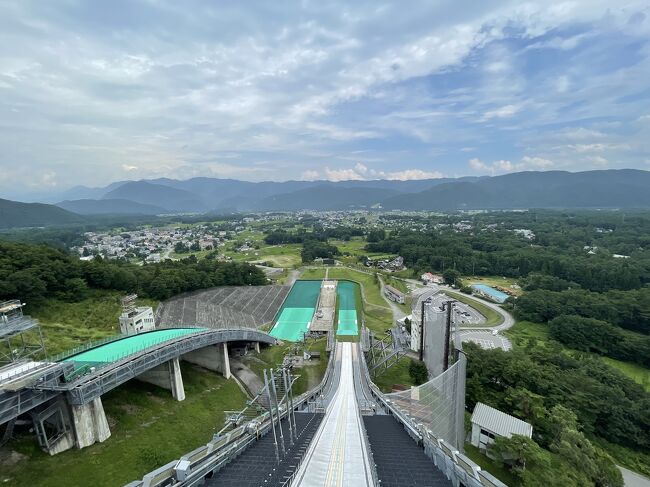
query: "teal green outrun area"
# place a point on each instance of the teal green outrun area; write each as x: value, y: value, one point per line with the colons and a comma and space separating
x: 348, y: 320
x: 118, y: 349
x: 297, y: 311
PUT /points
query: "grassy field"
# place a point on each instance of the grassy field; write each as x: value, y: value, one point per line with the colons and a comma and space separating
x: 496, y: 469
x: 68, y: 325
x: 638, y: 373
x: 313, y: 273
x: 492, y: 318
x: 378, y: 315
x: 310, y: 375
x: 397, y: 374
x: 149, y: 428
x: 525, y: 334
x: 287, y: 255
x: 369, y: 283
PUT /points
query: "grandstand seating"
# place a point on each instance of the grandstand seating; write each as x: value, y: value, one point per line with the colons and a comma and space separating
x: 223, y: 307
x: 400, y: 461
x: 257, y: 465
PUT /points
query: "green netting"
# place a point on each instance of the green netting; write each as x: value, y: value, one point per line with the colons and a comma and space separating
x: 346, y: 296
x: 292, y: 323
x: 347, y: 322
x: 113, y: 351
x: 297, y: 311
x: 304, y: 294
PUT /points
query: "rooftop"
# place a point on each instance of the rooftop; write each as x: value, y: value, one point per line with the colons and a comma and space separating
x: 499, y: 422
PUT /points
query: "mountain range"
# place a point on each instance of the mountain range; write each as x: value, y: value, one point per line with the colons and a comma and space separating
x: 623, y: 188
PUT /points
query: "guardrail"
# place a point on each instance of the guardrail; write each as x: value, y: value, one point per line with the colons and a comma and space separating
x: 191, y: 469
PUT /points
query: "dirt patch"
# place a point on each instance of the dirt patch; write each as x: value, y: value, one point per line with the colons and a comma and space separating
x: 9, y: 458
x: 129, y: 409
x: 156, y: 399
x: 111, y: 421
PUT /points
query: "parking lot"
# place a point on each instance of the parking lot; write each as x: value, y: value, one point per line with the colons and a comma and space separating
x: 463, y: 315
x: 485, y: 339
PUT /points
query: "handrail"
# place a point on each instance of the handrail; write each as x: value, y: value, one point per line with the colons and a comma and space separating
x: 445, y: 456
x: 217, y: 451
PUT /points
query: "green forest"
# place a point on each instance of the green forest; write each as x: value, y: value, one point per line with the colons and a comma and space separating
x: 38, y: 272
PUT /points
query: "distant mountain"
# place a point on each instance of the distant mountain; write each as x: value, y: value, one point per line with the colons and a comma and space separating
x: 325, y: 198
x: 624, y: 188
x: 171, y: 199
x: 15, y: 214
x: 110, y: 207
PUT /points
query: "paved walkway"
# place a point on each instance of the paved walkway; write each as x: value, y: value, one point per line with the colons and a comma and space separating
x: 633, y: 479
x: 398, y: 314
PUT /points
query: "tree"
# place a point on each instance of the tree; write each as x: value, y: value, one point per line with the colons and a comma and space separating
x: 376, y: 235
x: 418, y: 372
x: 451, y: 276
x: 520, y: 454
x: 181, y: 248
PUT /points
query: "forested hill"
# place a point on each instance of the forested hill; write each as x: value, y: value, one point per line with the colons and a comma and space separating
x: 37, y: 272
x: 625, y: 188
x: 612, y: 188
x: 15, y: 214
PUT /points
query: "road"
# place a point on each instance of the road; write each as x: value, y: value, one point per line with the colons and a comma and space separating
x: 508, y: 319
x: 398, y: 314
x: 292, y: 277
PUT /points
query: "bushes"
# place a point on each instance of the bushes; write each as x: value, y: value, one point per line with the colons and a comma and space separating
x: 418, y: 372
x: 627, y: 309
x: 312, y: 249
x: 591, y: 335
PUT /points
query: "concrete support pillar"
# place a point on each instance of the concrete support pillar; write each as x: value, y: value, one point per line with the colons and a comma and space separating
x: 176, y: 379
x: 214, y: 357
x: 257, y: 347
x: 168, y: 376
x: 89, y: 423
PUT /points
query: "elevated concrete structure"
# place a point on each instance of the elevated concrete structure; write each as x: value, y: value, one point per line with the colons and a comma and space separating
x: 168, y: 376
x: 214, y: 357
x: 64, y: 398
x: 89, y: 423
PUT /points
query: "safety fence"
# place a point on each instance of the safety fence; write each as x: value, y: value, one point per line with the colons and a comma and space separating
x: 424, y: 417
x: 192, y: 469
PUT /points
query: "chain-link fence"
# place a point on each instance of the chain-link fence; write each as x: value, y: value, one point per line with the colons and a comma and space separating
x: 437, y: 405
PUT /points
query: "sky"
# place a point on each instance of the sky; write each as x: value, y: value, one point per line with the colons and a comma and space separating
x: 93, y: 92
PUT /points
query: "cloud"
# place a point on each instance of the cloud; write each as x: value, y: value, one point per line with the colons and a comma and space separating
x: 506, y: 111
x: 536, y: 162
x: 506, y: 166
x: 597, y: 147
x: 309, y: 175
x: 599, y: 161
x: 288, y: 90
x: 361, y: 172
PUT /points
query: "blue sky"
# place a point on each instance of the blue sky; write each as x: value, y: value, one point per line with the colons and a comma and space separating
x: 94, y: 92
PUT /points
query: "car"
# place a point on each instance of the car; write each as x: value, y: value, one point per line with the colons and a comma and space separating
x: 495, y: 332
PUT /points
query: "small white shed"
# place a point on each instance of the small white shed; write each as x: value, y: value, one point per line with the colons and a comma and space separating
x: 488, y: 423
